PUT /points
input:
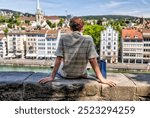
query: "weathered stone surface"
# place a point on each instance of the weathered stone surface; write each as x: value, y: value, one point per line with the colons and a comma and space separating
x: 25, y: 86
x: 11, y: 85
x: 59, y: 88
x: 142, y: 82
x: 125, y: 89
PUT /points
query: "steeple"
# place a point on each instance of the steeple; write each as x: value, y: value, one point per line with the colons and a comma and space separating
x: 39, y: 14
x: 38, y: 5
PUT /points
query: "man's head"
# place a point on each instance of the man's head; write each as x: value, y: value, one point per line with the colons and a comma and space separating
x: 76, y: 24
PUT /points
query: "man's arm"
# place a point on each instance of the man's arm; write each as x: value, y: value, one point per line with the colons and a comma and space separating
x: 55, y: 69
x: 95, y: 66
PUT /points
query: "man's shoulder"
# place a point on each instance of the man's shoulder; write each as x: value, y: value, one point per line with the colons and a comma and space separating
x: 88, y: 37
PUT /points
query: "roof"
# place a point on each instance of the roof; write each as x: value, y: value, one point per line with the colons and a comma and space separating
x: 146, y: 33
x: 52, y: 32
x: 66, y: 30
x: 52, y: 17
x: 27, y: 18
x: 146, y: 30
x: 1, y: 36
x: 42, y: 31
x: 131, y: 34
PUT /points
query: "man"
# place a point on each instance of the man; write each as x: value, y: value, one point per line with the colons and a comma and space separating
x: 73, y: 53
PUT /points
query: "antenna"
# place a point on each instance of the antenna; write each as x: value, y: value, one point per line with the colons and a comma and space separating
x: 66, y: 13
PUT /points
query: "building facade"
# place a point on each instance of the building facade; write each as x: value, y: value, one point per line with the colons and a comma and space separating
x: 2, y: 46
x: 109, y: 45
x: 146, y: 46
x: 132, y: 46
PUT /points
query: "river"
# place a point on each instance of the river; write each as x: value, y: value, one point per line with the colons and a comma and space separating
x: 24, y: 69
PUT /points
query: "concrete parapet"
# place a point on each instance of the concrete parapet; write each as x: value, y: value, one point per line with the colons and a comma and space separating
x: 21, y: 86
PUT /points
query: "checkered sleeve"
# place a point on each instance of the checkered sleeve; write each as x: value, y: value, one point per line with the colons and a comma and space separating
x: 91, y: 50
x: 59, y: 51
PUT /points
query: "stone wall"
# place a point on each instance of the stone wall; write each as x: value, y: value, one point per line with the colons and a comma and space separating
x: 23, y: 86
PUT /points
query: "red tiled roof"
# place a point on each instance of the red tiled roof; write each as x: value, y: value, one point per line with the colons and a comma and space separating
x: 146, y: 30
x: 51, y: 17
x: 27, y: 18
x: 1, y: 36
x: 52, y: 32
x: 131, y: 34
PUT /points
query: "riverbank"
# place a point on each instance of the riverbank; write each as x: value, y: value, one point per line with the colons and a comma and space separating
x: 26, y: 62
x: 119, y: 67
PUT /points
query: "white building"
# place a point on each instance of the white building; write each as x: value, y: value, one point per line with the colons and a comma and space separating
x: 146, y: 50
x: 36, y: 44
x: 132, y: 46
x: 109, y: 45
x: 2, y: 46
x: 42, y: 44
x: 15, y: 44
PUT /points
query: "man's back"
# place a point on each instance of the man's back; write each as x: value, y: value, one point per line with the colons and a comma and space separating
x: 76, y: 50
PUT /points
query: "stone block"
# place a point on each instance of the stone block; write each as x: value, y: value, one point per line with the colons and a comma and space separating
x: 142, y: 82
x: 59, y: 88
x: 124, y: 91
x: 11, y: 85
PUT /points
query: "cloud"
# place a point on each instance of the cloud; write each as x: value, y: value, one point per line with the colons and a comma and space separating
x: 112, y: 4
x: 144, y: 2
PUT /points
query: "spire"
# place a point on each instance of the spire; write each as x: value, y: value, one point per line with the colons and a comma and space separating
x: 38, y: 5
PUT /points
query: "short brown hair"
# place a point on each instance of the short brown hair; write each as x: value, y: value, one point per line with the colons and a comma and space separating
x: 76, y: 23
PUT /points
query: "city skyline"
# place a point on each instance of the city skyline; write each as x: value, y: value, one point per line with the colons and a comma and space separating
x: 81, y: 8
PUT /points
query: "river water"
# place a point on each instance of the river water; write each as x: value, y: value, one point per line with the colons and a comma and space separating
x: 7, y: 68
x: 24, y: 69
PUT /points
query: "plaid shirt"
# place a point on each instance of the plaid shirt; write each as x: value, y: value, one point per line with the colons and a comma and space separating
x: 76, y: 49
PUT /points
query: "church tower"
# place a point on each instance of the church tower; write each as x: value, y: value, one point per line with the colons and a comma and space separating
x: 39, y: 14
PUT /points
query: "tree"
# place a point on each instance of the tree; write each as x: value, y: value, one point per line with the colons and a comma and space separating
x: 49, y: 23
x: 94, y: 31
x: 99, y: 22
x: 61, y: 22
x: 5, y: 32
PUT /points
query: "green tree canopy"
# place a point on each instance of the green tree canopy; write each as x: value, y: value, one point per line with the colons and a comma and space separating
x: 94, y: 31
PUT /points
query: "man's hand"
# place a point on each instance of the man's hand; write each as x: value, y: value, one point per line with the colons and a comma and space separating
x: 45, y: 80
x: 108, y: 82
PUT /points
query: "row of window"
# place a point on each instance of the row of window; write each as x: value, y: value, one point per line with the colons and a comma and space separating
x: 109, y: 38
x: 51, y: 39
x: 133, y: 45
x: 132, y: 55
x: 147, y: 45
x: 49, y: 48
x: 108, y: 47
x: 147, y: 50
x: 110, y: 53
x: 133, y: 50
x: 110, y: 34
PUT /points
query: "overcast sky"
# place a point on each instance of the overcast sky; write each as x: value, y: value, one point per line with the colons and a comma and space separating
x: 81, y: 7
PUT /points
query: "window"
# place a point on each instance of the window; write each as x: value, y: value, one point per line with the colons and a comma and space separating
x: 108, y: 53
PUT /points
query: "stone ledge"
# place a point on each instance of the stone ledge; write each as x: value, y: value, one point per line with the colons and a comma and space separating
x: 21, y: 86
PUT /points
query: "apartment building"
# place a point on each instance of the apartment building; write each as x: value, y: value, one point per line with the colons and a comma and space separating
x: 35, y: 44
x: 15, y: 44
x: 46, y: 48
x: 132, y: 46
x: 2, y: 46
x: 109, y: 45
x: 42, y: 44
x: 146, y: 46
